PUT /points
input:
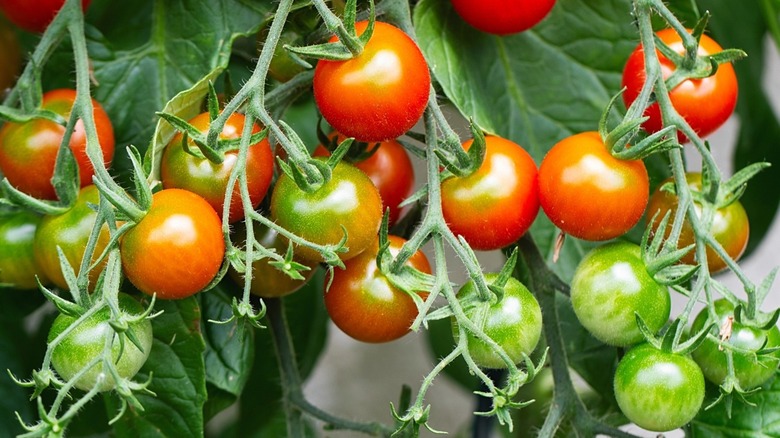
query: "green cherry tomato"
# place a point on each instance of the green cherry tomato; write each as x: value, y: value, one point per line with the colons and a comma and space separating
x: 610, y: 285
x: 514, y: 323
x: 349, y: 200
x: 750, y: 370
x: 18, y: 266
x: 88, y: 339
x: 70, y: 231
x: 658, y: 391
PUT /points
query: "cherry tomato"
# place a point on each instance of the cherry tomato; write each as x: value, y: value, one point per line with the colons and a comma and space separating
x: 28, y: 151
x: 496, y: 205
x: 10, y: 56
x: 514, y: 323
x: 18, y: 266
x: 267, y: 280
x: 378, y: 95
x: 610, y: 285
x: 750, y: 369
x: 176, y: 249
x: 197, y: 174
x: 503, y: 17
x: 658, y: 391
x: 88, y: 340
x: 391, y: 171
x: 730, y: 225
x: 588, y: 193
x: 34, y: 16
x: 70, y: 231
x: 363, y: 303
x: 349, y: 200
x: 704, y: 103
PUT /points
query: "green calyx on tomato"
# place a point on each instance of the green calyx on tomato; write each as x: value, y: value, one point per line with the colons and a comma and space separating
x: 197, y: 174
x: 87, y: 341
x: 730, y: 226
x: 657, y: 390
x: 18, y: 265
x: 28, y: 151
x: 750, y: 368
x: 514, y: 323
x: 611, y: 285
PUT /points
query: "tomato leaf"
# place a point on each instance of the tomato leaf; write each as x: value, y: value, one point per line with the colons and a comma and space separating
x: 759, y: 420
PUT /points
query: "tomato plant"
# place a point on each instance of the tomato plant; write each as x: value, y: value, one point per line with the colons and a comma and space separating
x: 18, y: 266
x: 28, y: 151
x: 705, y: 103
x: 85, y: 341
x: 514, y: 322
x: 197, y: 174
x: 34, y: 16
x: 177, y: 248
x: 730, y: 226
x: 588, y: 193
x: 497, y: 204
x: 349, y: 201
x: 610, y: 286
x: 503, y: 17
x: 657, y: 390
x: 364, y: 304
x: 378, y: 95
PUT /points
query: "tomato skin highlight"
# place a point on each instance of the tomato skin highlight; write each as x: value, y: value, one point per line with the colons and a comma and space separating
x: 496, y: 205
x: 588, y: 193
x: 18, y: 266
x: 730, y: 224
x: 704, y: 103
x: 28, y: 151
x: 378, y: 95
x: 514, y: 323
x: 750, y: 370
x: 34, y: 16
x: 658, y: 391
x: 503, y: 17
x: 88, y: 339
x: 610, y: 285
x: 176, y: 249
x: 348, y: 200
x: 179, y: 169
x: 363, y: 303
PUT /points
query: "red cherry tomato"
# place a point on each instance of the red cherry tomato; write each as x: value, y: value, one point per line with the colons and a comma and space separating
x: 704, y: 103
x: 378, y: 95
x: 363, y: 303
x: 28, y: 151
x: 503, y: 17
x: 34, y: 15
x: 494, y: 206
x: 179, y: 169
x: 588, y: 193
x: 176, y: 249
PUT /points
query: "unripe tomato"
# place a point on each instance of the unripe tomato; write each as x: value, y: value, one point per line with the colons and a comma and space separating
x: 88, y: 339
x: 34, y: 16
x: 588, y: 193
x: 730, y: 225
x: 179, y: 169
x: 378, y: 95
x: 503, y: 17
x: 18, y: 266
x: 28, y: 151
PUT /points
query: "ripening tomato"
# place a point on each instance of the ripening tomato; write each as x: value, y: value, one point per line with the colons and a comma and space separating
x: 496, y: 205
x: 588, y: 193
x: 10, y: 56
x: 18, y: 266
x: 730, y: 225
x: 176, y: 249
x: 34, y: 16
x: 70, y: 232
x: 503, y: 17
x: 378, y: 95
x: 28, y: 151
x: 704, y: 103
x: 349, y: 202
x: 179, y: 169
x: 363, y: 303
x: 391, y: 171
